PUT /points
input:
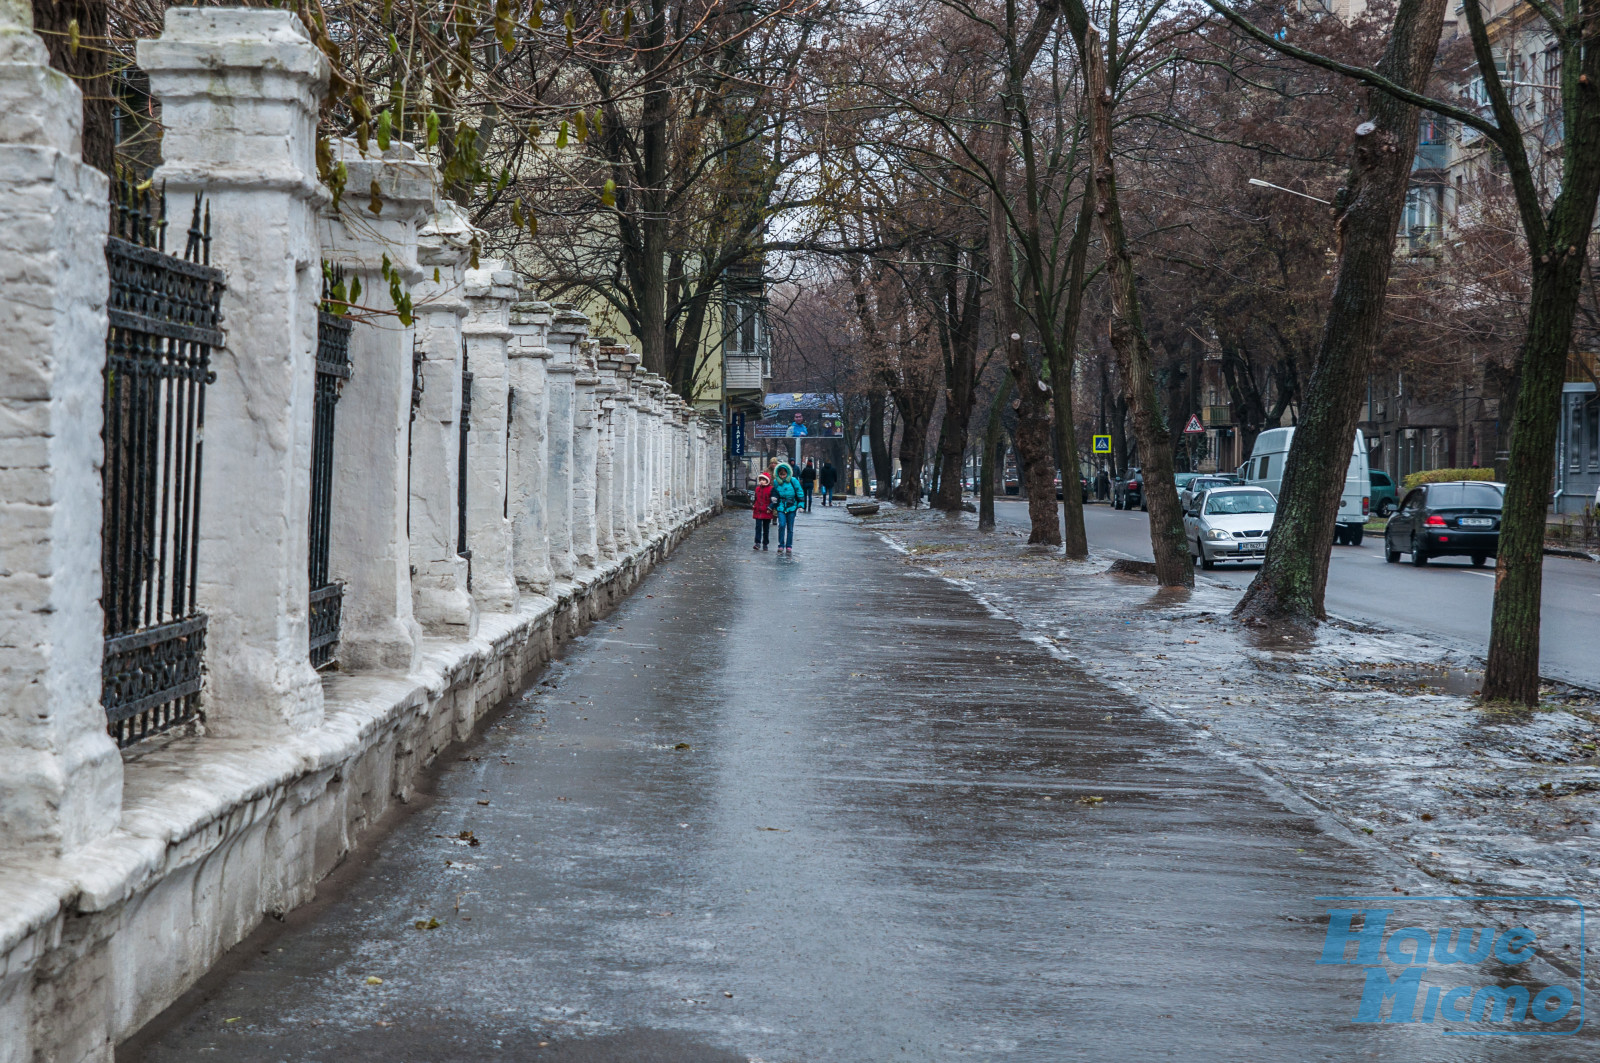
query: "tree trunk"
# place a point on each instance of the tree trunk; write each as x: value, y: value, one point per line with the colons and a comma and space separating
x: 915, y: 415
x: 1513, y: 662
x: 88, y: 69
x: 1074, y: 538
x: 1174, y: 567
x: 876, y: 408
x: 1558, y: 247
x: 1294, y: 576
x: 1033, y: 395
x: 991, y: 457
x: 655, y: 111
x: 961, y: 387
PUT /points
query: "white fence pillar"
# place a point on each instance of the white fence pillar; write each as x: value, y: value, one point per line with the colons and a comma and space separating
x: 585, y: 459
x: 652, y: 498
x: 369, y: 548
x: 633, y: 418
x: 528, y: 353
x: 567, y: 330
x: 60, y: 775
x: 439, y: 572
x: 608, y: 359
x: 490, y: 291
x: 240, y: 92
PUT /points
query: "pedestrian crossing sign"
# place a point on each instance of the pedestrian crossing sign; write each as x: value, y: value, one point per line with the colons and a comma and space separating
x: 1102, y: 444
x: 1193, y: 428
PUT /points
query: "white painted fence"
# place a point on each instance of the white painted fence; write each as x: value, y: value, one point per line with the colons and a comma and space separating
x: 125, y: 876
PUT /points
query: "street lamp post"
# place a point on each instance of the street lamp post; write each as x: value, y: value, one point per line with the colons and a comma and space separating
x: 1259, y: 183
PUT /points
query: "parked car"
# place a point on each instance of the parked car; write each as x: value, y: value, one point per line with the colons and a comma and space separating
x: 1083, y: 486
x: 1229, y: 524
x: 1127, y: 490
x: 1013, y: 485
x: 1459, y: 518
x: 1205, y: 482
x: 1265, y: 469
x: 1384, y: 498
x: 1180, y: 480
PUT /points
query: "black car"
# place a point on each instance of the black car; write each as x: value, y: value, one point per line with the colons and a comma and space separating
x: 1127, y: 490
x: 1083, y: 486
x: 1460, y: 518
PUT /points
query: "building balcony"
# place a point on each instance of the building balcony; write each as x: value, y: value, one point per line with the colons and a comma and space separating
x: 743, y: 373
x: 1216, y: 416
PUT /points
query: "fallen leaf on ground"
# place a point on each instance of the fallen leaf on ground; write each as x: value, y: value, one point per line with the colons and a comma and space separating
x: 427, y: 924
x: 780, y: 830
x: 683, y: 745
x: 373, y: 979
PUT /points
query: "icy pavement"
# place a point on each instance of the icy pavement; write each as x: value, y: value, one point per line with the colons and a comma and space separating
x: 1376, y: 727
x: 836, y: 809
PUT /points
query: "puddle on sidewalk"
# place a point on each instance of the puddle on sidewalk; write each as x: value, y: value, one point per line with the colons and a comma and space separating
x: 1417, y: 679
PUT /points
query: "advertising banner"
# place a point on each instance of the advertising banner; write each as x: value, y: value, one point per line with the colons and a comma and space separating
x: 799, y: 414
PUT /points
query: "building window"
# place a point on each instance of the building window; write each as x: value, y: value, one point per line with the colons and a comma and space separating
x: 1591, y: 410
x: 1575, y: 437
x: 747, y: 330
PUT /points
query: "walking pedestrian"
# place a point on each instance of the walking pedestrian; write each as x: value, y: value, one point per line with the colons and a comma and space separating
x: 808, y: 481
x: 761, y: 509
x: 827, y: 478
x: 787, y: 498
x: 1102, y: 485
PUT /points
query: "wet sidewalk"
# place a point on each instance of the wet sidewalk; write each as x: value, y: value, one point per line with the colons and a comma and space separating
x: 828, y: 809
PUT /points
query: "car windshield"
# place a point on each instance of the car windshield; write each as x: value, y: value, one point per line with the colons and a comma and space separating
x: 1464, y: 496
x: 1241, y: 502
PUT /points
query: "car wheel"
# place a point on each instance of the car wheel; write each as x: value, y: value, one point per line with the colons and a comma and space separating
x: 1142, y: 507
x: 1339, y: 537
x: 1356, y: 535
x: 1419, y: 556
x: 1479, y: 560
x: 1390, y: 554
x: 1205, y: 561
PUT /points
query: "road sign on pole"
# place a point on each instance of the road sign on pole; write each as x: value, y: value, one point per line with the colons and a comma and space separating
x: 1194, y: 428
x: 1102, y: 444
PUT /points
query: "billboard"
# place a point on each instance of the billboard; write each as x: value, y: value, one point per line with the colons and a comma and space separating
x: 803, y: 414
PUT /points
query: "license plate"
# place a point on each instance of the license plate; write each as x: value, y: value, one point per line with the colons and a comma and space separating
x: 1475, y: 522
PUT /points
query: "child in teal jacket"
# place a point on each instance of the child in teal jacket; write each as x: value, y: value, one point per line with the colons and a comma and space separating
x: 787, y: 498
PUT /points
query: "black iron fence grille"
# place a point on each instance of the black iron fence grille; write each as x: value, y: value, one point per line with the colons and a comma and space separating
x: 327, y: 596
x: 461, y: 465
x: 165, y: 317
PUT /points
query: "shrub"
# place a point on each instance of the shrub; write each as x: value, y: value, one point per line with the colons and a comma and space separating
x: 1440, y: 476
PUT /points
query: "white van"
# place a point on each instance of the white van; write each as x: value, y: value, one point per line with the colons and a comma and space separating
x: 1265, y: 469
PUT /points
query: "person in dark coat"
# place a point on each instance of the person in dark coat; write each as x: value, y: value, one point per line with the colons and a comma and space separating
x: 827, y: 478
x: 808, y: 481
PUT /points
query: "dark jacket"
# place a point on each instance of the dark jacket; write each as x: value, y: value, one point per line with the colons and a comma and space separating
x: 808, y: 476
x: 829, y: 475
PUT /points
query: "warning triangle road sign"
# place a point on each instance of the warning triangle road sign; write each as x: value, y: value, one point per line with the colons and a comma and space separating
x: 1193, y: 427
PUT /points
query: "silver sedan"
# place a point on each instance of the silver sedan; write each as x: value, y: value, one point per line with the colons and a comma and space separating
x: 1229, y: 524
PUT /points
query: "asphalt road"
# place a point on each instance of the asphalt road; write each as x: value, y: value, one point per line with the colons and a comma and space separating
x: 816, y: 810
x: 1448, y: 598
